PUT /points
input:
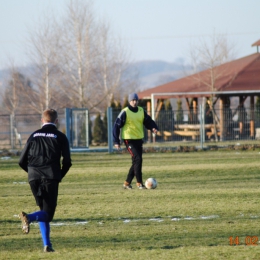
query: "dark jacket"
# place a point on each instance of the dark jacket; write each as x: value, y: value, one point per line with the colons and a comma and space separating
x: 121, y: 119
x: 41, y: 156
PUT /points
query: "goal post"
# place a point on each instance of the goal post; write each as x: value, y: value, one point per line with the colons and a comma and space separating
x: 77, y: 123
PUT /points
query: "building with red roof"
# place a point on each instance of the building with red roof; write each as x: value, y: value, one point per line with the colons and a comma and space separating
x: 238, y: 78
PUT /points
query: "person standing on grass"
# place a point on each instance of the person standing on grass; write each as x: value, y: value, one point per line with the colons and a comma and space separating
x: 131, y: 121
x: 41, y: 159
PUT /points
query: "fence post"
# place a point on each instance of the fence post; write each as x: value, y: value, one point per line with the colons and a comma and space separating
x: 202, y: 124
x: 12, y: 130
x: 153, y: 114
x: 68, y: 124
x: 87, y: 128
x: 109, y: 129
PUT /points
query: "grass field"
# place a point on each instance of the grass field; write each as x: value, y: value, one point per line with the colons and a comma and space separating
x: 204, y: 202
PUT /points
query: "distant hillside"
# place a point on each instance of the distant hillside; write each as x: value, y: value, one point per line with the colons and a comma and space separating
x: 155, y: 73
x: 150, y: 73
x: 3, y: 74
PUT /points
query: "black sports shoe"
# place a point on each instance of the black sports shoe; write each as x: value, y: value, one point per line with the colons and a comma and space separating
x: 48, y: 249
x: 25, y: 222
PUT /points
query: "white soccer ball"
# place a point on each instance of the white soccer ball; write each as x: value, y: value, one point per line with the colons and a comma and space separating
x: 150, y: 183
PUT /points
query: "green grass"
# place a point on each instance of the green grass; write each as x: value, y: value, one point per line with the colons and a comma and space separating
x: 202, y: 199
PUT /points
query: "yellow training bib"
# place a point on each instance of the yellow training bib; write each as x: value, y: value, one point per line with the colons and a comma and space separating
x: 133, y: 128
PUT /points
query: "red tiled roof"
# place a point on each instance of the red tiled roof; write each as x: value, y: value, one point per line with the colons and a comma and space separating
x: 239, y: 75
x: 256, y: 43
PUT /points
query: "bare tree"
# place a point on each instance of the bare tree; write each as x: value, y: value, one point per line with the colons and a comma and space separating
x: 14, y: 100
x: 78, y: 52
x: 78, y: 61
x: 14, y: 92
x: 207, y: 57
x: 110, y: 66
x: 93, y: 62
x: 43, y: 49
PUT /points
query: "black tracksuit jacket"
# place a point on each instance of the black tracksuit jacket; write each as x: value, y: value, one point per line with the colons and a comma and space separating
x: 41, y: 156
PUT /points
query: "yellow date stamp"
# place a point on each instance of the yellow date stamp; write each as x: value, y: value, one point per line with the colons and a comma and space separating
x: 249, y: 241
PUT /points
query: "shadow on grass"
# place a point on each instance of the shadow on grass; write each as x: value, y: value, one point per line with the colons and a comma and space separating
x: 171, y: 247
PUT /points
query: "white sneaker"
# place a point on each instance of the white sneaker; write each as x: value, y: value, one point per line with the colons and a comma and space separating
x: 128, y: 187
x: 141, y: 187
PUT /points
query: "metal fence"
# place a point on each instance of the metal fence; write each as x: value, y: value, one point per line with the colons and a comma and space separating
x: 201, y: 124
x: 239, y: 124
x: 229, y: 124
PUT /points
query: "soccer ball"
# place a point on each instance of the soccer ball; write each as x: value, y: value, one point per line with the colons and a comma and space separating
x: 150, y: 183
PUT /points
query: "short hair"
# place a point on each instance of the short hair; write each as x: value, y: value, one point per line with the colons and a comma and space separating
x: 50, y: 115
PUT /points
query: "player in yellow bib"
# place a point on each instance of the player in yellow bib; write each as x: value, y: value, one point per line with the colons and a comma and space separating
x: 131, y: 121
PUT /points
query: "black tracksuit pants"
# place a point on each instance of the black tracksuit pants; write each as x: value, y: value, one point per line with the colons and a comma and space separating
x: 135, y: 148
x: 46, y: 195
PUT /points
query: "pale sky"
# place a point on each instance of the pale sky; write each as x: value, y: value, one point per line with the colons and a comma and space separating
x: 153, y: 29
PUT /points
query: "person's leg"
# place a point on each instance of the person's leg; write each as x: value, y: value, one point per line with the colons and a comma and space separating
x: 45, y: 232
x: 39, y: 215
x: 138, y: 161
x: 135, y: 148
x: 131, y: 173
x: 46, y: 194
x: 50, y: 196
x: 37, y: 188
